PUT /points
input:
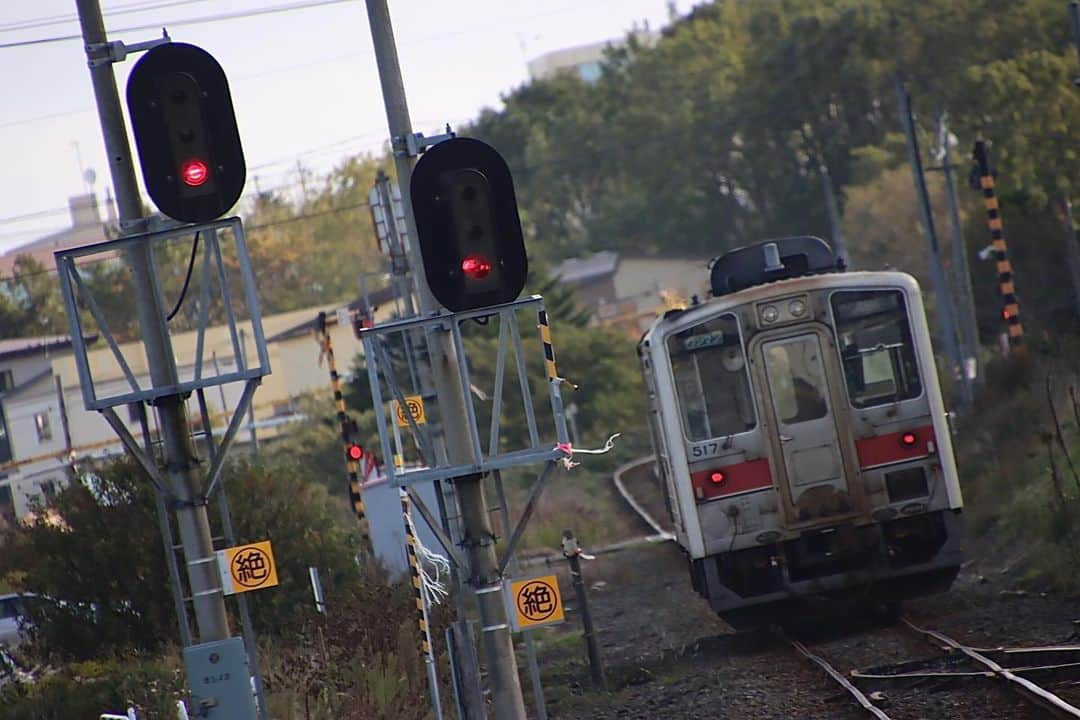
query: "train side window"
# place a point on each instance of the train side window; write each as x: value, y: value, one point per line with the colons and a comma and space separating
x: 875, y: 347
x: 711, y: 379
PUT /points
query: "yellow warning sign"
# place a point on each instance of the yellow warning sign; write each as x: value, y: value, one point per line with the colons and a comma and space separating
x: 537, y: 601
x: 415, y: 405
x: 247, y: 567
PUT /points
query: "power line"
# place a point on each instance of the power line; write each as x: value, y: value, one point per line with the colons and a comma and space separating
x: 72, y: 17
x: 190, y: 21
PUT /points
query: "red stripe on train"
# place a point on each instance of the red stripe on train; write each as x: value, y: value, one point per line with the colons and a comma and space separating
x: 729, y: 479
x: 895, y: 447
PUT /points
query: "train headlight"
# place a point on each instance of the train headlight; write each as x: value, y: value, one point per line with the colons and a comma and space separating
x: 769, y: 314
x: 797, y: 308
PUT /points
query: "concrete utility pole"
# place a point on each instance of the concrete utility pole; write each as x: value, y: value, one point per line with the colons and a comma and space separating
x: 508, y: 703
x: 181, y: 463
x: 942, y: 294
x: 965, y: 297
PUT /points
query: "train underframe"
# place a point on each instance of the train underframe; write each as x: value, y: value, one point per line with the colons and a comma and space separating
x: 845, y: 566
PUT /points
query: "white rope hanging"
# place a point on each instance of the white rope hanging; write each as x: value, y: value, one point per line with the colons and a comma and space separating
x: 569, y: 451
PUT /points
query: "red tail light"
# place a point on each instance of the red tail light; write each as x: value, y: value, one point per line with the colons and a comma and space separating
x: 717, y: 478
x: 909, y: 439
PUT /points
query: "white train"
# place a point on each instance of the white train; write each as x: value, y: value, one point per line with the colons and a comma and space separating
x: 801, y: 435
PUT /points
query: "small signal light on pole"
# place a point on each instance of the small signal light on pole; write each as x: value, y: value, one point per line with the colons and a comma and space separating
x: 354, y: 453
x: 185, y: 132
x: 468, y: 226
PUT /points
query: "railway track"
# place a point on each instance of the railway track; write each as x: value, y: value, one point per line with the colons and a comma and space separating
x: 1036, y: 660
x: 618, y: 478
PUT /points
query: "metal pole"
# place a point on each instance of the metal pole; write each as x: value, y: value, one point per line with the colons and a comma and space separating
x: 507, y: 701
x: 530, y: 646
x: 246, y: 626
x: 420, y: 596
x: 839, y: 248
x: 941, y: 287
x: 573, y: 557
x: 965, y: 305
x: 180, y: 460
x: 251, y: 406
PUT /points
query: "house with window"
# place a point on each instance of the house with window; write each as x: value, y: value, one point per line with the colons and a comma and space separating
x: 29, y: 417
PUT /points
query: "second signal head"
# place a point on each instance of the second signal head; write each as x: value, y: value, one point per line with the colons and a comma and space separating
x: 468, y: 226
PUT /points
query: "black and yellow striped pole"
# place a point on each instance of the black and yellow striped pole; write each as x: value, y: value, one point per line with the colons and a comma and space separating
x: 1006, y: 281
x: 549, y: 350
x: 554, y: 381
x: 352, y: 464
x: 417, y: 579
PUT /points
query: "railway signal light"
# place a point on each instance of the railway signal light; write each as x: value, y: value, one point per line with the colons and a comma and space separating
x: 185, y: 132
x: 354, y: 452
x: 468, y: 225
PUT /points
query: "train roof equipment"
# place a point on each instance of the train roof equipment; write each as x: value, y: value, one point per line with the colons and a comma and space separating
x: 771, y: 260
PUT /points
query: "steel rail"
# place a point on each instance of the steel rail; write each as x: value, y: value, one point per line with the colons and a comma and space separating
x: 836, y: 675
x: 1028, y: 689
x: 617, y: 479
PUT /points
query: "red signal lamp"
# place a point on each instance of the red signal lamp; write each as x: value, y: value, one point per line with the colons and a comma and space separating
x: 194, y: 172
x: 718, y: 478
x: 476, y: 267
x: 909, y: 439
x: 354, y: 453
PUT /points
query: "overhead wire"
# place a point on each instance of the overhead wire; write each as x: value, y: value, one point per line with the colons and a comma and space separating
x: 304, y: 5
x: 129, y: 9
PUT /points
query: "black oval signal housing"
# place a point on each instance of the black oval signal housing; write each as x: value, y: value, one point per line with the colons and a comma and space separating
x: 468, y: 226
x: 185, y: 132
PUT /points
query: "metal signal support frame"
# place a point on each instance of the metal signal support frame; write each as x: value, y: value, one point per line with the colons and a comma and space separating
x: 184, y: 479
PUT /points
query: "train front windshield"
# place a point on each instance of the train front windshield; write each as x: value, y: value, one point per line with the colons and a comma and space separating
x: 876, y: 347
x: 711, y: 379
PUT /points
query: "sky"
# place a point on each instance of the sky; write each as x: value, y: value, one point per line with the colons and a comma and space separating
x: 303, y: 79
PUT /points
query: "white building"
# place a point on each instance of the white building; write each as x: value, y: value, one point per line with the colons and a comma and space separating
x: 583, y: 60
x: 39, y: 382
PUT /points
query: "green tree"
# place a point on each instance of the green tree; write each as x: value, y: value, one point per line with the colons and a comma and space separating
x: 93, y: 556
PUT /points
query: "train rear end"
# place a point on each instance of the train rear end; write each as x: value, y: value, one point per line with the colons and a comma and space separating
x: 802, y: 437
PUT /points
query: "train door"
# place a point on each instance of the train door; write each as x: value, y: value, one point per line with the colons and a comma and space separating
x: 801, y: 406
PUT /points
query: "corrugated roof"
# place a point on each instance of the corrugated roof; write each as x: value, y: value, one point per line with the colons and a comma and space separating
x: 579, y: 270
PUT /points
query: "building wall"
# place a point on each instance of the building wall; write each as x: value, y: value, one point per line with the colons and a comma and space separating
x: 296, y: 370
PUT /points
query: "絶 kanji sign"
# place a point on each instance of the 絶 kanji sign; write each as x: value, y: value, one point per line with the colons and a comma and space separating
x: 536, y: 602
x: 247, y: 567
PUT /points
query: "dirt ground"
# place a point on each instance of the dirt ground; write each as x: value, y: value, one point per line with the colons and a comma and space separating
x: 667, y: 656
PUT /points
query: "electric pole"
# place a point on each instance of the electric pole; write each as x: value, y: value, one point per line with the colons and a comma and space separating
x: 965, y: 298
x: 485, y: 577
x: 942, y: 294
x: 181, y: 463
